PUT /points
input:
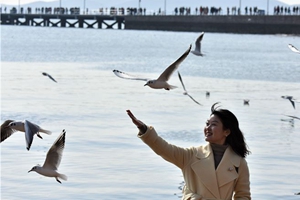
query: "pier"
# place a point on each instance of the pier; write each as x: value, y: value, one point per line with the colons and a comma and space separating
x: 245, y: 24
x: 60, y: 20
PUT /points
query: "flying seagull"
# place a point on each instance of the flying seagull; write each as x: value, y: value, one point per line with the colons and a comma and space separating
x: 197, y: 50
x: 294, y: 49
x: 185, y: 91
x: 291, y: 99
x: 246, y: 101
x: 207, y: 93
x: 161, y: 81
x: 46, y: 74
x: 10, y: 126
x: 53, y: 159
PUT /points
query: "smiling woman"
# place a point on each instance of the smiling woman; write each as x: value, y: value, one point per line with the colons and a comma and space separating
x: 217, y: 170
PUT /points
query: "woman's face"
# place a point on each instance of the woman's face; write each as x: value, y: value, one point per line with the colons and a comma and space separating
x: 214, y: 131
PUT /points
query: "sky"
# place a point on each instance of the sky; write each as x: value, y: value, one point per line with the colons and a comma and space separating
x: 16, y: 2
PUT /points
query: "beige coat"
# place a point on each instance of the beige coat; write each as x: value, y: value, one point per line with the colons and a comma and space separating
x: 202, y: 181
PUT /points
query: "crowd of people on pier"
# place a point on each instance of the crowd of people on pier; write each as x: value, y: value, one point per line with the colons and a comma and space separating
x: 278, y: 10
x: 202, y: 10
x: 43, y: 10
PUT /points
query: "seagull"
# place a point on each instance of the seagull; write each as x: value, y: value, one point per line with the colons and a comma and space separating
x: 294, y: 49
x: 197, y: 50
x: 53, y: 159
x: 46, y: 74
x: 207, y: 93
x: 161, y: 81
x: 10, y: 126
x: 292, y: 100
x: 246, y: 101
x: 185, y: 91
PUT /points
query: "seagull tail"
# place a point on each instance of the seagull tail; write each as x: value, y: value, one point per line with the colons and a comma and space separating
x: 63, y: 177
x: 172, y: 86
x: 45, y: 131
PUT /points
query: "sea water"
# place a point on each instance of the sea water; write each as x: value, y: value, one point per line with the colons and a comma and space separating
x: 103, y: 158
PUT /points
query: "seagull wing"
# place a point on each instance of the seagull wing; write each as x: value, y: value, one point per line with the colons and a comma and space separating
x: 186, y: 90
x: 198, y: 42
x: 294, y: 49
x: 128, y: 76
x: 181, y: 81
x: 169, y: 71
x: 293, y: 103
x: 194, y: 99
x: 294, y: 117
x: 52, y: 78
x: 54, y: 154
x: 30, y: 130
x: 6, y: 131
x: 46, y: 74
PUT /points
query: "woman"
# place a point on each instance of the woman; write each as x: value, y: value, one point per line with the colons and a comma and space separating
x: 217, y: 170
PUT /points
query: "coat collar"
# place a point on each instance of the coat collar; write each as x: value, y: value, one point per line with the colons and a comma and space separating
x: 205, y: 151
x: 204, y: 167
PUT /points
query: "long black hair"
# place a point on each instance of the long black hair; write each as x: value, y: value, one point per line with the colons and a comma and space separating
x: 236, y: 138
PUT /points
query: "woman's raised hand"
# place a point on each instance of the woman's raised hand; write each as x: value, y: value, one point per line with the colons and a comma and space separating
x: 137, y: 122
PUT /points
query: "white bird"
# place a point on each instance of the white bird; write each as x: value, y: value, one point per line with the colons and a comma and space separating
x: 294, y: 49
x: 161, y: 81
x: 46, y: 74
x: 197, y: 50
x: 185, y: 91
x: 53, y: 160
x: 10, y: 126
x: 291, y: 99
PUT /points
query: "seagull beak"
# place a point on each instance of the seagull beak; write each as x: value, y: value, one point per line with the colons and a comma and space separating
x: 29, y: 171
x: 146, y: 84
x: 39, y: 136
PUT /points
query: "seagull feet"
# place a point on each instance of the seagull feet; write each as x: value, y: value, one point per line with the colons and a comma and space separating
x: 39, y: 136
x: 58, y: 180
